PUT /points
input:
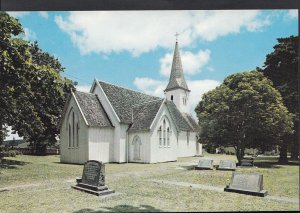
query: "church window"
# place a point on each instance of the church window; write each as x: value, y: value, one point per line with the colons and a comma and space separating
x: 171, y: 97
x: 73, y: 129
x: 188, y: 138
x: 164, y: 132
x: 70, y: 135
x: 160, y: 136
x: 168, y: 137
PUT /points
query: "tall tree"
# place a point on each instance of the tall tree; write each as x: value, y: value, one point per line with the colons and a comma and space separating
x: 281, y: 67
x: 246, y: 111
x: 32, y: 90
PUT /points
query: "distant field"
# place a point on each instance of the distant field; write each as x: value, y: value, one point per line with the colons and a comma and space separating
x: 42, y: 184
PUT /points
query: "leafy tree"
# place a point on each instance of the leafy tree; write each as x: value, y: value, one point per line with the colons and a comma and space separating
x: 281, y: 67
x: 246, y: 111
x: 32, y: 91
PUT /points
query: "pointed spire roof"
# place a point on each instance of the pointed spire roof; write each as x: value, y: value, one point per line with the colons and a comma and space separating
x: 176, y: 77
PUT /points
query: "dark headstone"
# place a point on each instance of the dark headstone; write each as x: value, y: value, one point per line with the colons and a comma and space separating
x: 250, y: 184
x: 247, y: 162
x: 227, y: 165
x: 93, y: 179
x: 204, y: 164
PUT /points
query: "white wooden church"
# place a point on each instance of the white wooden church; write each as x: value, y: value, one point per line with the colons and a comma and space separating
x: 115, y: 124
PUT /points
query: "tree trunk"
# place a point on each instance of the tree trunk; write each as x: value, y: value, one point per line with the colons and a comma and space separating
x: 283, y: 153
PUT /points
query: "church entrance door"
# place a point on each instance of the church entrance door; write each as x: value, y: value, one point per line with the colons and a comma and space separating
x: 136, y: 148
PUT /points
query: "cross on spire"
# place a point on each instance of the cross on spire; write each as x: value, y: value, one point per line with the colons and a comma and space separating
x: 176, y: 35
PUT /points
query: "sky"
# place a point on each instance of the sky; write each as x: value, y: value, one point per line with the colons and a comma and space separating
x: 134, y: 49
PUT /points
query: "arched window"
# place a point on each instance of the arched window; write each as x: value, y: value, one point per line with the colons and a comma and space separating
x: 171, y: 97
x: 136, y: 148
x: 160, y: 136
x: 73, y: 129
x: 164, y: 132
x: 188, y: 137
x: 168, y: 136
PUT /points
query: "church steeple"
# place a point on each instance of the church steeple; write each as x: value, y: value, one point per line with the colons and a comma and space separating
x: 177, y: 90
x: 176, y: 77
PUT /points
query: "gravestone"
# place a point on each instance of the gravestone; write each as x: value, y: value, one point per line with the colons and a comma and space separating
x: 204, y: 164
x: 227, y: 165
x: 250, y: 184
x: 247, y: 162
x: 93, y: 179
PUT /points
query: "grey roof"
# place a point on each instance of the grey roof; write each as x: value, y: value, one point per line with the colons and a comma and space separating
x: 144, y: 115
x: 177, y: 116
x: 191, y: 121
x: 92, y: 109
x: 176, y: 77
x: 124, y: 100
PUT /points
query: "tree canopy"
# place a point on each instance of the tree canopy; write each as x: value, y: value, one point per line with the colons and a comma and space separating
x: 281, y: 67
x: 32, y: 90
x: 245, y: 111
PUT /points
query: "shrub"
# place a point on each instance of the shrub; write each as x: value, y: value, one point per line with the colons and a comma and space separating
x: 11, y: 153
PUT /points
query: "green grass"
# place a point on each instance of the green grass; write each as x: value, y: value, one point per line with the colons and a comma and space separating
x: 42, y: 184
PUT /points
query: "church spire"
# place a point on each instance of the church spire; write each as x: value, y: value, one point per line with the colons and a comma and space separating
x: 176, y: 77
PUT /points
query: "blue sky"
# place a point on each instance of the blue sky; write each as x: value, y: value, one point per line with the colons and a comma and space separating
x: 134, y: 49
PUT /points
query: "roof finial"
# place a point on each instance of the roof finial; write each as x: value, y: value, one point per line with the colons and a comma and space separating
x: 176, y: 35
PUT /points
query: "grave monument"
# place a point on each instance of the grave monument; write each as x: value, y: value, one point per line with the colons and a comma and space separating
x: 227, y: 165
x: 93, y: 179
x: 250, y: 184
x: 204, y: 164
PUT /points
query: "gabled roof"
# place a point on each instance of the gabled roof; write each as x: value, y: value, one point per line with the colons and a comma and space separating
x: 124, y: 100
x: 176, y: 77
x: 92, y: 109
x: 178, y: 118
x: 191, y: 121
x: 145, y: 114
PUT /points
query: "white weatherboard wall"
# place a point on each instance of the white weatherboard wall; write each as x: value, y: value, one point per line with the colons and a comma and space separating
x: 74, y: 154
x: 187, y: 148
x: 163, y: 153
x: 178, y: 96
x: 144, y: 148
x: 118, y: 151
x: 100, y: 142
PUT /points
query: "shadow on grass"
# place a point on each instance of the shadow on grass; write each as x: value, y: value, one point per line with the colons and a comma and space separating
x: 123, y: 208
x: 11, y: 164
x: 272, y: 164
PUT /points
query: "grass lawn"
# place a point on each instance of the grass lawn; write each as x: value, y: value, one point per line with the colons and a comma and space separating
x: 42, y: 184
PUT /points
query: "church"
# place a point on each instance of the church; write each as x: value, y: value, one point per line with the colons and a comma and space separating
x: 115, y: 124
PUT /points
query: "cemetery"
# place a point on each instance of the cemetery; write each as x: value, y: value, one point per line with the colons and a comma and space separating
x: 42, y: 183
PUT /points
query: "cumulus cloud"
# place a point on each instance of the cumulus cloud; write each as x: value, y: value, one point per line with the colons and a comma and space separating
x: 83, y: 88
x: 191, y: 63
x: 29, y: 34
x: 293, y: 14
x: 18, y: 14
x: 143, y: 31
x: 44, y: 14
x: 197, y: 87
x: 151, y: 86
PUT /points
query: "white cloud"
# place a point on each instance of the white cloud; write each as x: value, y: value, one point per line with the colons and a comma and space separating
x: 143, y: 31
x: 197, y: 87
x: 18, y: 14
x: 151, y: 86
x: 29, y: 34
x: 293, y: 14
x: 83, y: 88
x: 191, y: 63
x: 43, y: 14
